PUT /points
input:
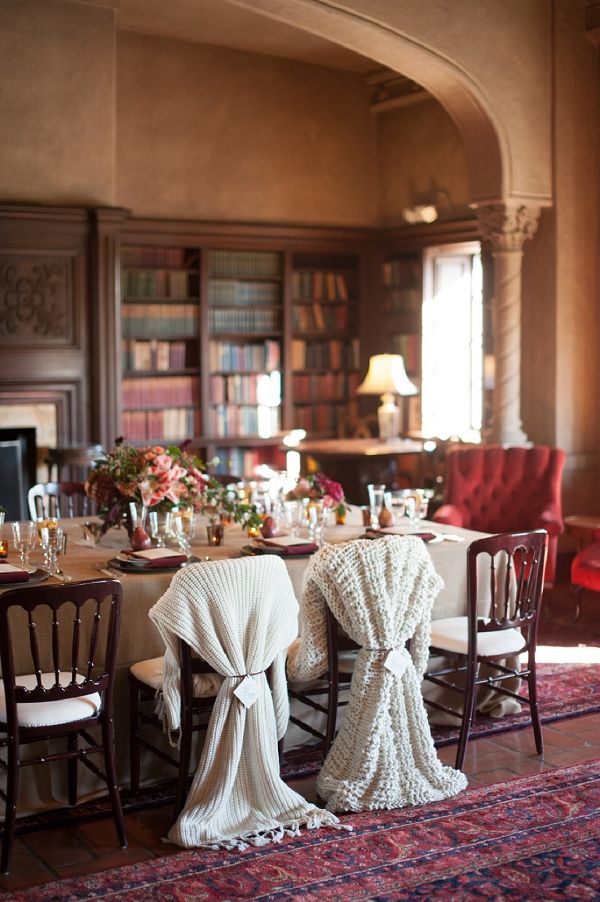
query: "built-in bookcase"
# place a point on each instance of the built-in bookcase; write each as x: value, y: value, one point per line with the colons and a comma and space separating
x: 160, y: 352
x: 325, y: 358
x: 402, y: 281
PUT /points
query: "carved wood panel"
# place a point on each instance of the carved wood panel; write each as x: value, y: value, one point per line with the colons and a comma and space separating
x: 36, y: 300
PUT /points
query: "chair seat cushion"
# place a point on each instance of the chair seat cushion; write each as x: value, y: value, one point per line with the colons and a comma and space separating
x: 585, y: 569
x: 149, y: 672
x: 48, y: 714
x: 451, y: 634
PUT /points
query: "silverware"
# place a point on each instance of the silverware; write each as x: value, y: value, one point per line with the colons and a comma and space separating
x: 110, y: 572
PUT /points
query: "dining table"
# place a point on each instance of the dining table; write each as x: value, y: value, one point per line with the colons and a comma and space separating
x: 88, y: 557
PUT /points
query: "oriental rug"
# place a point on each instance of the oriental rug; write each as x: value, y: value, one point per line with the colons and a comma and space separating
x: 534, y: 838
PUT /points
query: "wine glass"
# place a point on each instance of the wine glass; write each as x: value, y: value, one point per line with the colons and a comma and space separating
x: 160, y: 526
x: 24, y: 540
x: 184, y: 527
x: 52, y: 539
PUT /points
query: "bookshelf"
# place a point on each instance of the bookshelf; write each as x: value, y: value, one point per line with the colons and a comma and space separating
x: 324, y: 348
x: 402, y: 284
x: 160, y: 331
x: 245, y: 301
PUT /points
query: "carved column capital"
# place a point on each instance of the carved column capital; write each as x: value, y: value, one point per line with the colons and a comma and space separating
x: 506, y: 227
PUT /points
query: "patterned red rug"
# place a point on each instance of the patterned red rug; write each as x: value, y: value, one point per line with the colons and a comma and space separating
x: 564, y: 690
x: 534, y: 838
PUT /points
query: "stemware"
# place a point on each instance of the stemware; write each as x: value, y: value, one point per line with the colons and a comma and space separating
x: 161, y: 526
x: 52, y: 538
x: 24, y: 539
x: 376, y: 493
x: 184, y: 526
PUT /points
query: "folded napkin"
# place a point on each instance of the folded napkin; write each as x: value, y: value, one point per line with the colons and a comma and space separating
x: 371, y: 532
x: 288, y: 545
x: 12, y: 574
x: 158, y: 557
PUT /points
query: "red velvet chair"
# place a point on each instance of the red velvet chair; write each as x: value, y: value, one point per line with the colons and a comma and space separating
x: 494, y: 489
x: 585, y: 570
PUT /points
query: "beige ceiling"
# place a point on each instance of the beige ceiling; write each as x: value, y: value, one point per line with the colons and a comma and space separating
x: 220, y: 22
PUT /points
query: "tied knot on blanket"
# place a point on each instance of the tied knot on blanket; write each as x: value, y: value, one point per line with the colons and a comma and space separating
x: 382, y: 594
x: 239, y: 616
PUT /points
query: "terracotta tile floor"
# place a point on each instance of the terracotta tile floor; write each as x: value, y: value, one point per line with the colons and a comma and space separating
x: 88, y: 847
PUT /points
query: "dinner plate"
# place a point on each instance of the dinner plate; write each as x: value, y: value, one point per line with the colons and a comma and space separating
x: 38, y: 576
x: 133, y: 566
x: 253, y: 550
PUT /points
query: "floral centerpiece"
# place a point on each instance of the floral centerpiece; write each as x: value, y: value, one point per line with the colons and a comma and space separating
x: 159, y: 478
x: 318, y: 487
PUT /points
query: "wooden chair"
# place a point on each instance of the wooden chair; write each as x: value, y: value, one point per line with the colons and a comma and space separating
x: 324, y: 697
x: 69, y: 689
x: 145, y: 682
x: 59, y: 499
x: 514, y: 577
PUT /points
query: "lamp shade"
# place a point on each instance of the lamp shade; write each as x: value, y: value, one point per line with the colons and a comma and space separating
x: 387, y: 375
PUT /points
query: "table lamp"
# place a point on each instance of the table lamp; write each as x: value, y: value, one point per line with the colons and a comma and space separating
x: 387, y: 377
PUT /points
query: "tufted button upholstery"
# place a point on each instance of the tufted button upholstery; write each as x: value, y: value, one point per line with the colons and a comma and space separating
x: 495, y: 489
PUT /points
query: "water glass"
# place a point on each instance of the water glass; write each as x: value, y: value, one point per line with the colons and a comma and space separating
x: 184, y: 527
x: 52, y: 539
x: 161, y: 526
x: 376, y: 497
x: 24, y: 540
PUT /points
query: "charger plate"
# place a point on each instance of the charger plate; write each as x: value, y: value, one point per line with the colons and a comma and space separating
x: 253, y: 550
x: 129, y: 566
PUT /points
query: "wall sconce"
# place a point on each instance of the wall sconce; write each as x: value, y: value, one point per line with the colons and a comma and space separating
x: 428, y: 210
x: 387, y: 377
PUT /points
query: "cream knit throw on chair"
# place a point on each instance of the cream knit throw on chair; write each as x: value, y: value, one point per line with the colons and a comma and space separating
x: 239, y: 616
x: 381, y: 592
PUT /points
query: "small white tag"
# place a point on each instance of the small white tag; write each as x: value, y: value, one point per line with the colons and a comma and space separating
x: 247, y: 692
x: 396, y: 661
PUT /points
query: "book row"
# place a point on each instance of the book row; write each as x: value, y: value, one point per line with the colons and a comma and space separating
x: 405, y: 273
x: 324, y: 386
x: 263, y: 388
x: 227, y: 421
x: 167, y: 391
x: 245, y: 264
x: 402, y: 300
x: 171, y: 257
x: 158, y: 283
x: 409, y: 347
x: 159, y: 320
x: 141, y: 425
x: 155, y: 355
x: 315, y: 285
x: 316, y: 418
x: 308, y: 317
x: 323, y: 355
x: 243, y: 462
x: 234, y: 292
x: 229, y: 319
x: 226, y: 357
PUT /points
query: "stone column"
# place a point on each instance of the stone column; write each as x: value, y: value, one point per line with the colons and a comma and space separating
x: 504, y: 229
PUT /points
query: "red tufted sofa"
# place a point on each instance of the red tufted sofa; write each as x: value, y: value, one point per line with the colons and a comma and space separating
x: 494, y: 489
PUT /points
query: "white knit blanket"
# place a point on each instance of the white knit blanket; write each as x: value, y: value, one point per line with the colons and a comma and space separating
x: 381, y: 592
x: 239, y: 616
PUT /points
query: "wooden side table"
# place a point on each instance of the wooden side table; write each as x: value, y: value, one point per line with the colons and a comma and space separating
x: 581, y: 527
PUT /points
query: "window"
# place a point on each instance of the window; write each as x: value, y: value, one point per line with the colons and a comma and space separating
x: 452, y: 342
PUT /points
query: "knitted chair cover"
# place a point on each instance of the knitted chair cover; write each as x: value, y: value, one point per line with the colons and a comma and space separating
x: 240, y: 616
x: 382, y: 593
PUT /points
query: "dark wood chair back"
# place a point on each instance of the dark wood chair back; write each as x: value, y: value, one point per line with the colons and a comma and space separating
x: 81, y: 663
x: 514, y: 581
x: 59, y: 499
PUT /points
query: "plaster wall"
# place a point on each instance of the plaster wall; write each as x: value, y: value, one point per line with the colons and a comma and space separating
x: 419, y: 150
x: 577, y: 192
x: 56, y: 103
x: 487, y: 62
x: 211, y: 133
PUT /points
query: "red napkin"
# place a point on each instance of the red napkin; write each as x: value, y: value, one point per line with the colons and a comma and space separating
x: 11, y: 574
x: 288, y: 550
x: 377, y: 533
x: 171, y: 560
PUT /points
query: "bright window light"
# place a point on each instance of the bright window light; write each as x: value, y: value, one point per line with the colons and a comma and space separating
x: 452, y: 338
